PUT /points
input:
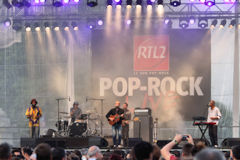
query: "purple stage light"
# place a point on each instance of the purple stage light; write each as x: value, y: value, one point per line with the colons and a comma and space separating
x: 100, y: 22
x: 65, y: 1
x: 192, y: 0
x: 76, y: 1
x: 90, y: 26
x: 7, y: 23
x: 202, y: 1
x: 129, y: 22
x: 209, y: 3
x: 152, y: 1
x: 166, y: 21
x: 191, y: 21
x: 37, y: 1
x: 42, y: 1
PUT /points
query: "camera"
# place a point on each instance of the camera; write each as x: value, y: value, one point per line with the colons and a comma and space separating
x: 184, y: 138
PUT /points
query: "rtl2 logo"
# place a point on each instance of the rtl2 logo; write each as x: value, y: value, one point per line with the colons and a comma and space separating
x: 151, y: 53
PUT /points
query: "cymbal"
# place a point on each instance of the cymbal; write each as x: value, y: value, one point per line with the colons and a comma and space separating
x: 63, y: 112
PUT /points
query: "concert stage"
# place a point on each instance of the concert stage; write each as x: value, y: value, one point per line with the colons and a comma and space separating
x: 66, y: 142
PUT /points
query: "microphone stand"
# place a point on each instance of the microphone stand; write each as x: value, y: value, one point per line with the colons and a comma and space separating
x: 101, y: 100
x: 58, y: 102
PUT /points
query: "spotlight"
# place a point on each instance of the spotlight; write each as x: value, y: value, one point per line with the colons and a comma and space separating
x: 109, y: 2
x: 209, y: 3
x: 168, y: 22
x: 214, y: 23
x: 192, y: 20
x: 232, y: 23
x: 47, y: 26
x: 75, y: 26
x: 100, y: 22
x: 223, y: 23
x: 65, y: 1
x: 92, y: 3
x: 183, y: 23
x: 150, y: 2
x: 139, y: 2
x: 57, y: 3
x: 175, y: 3
x: 18, y: 3
x: 56, y: 26
x: 160, y: 2
x: 118, y: 2
x: 129, y: 2
x: 202, y: 23
x: 7, y: 22
x: 65, y: 26
x: 42, y: 1
x: 76, y: 1
x: 37, y: 27
x: 202, y: 1
x: 6, y: 4
x: 28, y: 27
x: 129, y: 22
x: 17, y: 25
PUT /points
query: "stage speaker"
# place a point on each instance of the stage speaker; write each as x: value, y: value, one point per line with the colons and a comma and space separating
x: 27, y: 142
x: 109, y: 139
x: 133, y: 141
x: 229, y: 142
x: 53, y: 142
x: 143, y: 128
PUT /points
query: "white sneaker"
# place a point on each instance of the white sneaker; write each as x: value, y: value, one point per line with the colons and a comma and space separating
x: 215, y: 146
x: 120, y: 146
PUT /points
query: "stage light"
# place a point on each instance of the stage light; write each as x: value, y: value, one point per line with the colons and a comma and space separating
x: 118, y: 2
x: 76, y: 1
x: 42, y: 1
x: 230, y: 1
x: 7, y: 4
x: 37, y: 27
x: 223, y: 23
x: 65, y: 26
x: 139, y: 2
x: 160, y: 2
x: 166, y: 20
x: 202, y: 1
x: 7, y: 22
x: 214, y: 23
x: 175, y: 3
x: 28, y: 27
x: 209, y: 3
x: 183, y: 23
x: 129, y: 3
x: 100, y: 22
x: 129, y: 22
x: 202, y: 23
x: 150, y: 2
x: 232, y: 23
x: 109, y: 2
x: 57, y: 3
x: 92, y: 3
x: 56, y: 26
x: 75, y: 26
x: 192, y: 20
x: 65, y: 1
x: 17, y: 25
x: 18, y: 3
x: 47, y: 26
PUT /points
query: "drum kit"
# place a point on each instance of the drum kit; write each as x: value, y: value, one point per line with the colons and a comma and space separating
x: 87, y: 125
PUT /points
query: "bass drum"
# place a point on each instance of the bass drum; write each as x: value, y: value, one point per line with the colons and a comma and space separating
x: 77, y: 129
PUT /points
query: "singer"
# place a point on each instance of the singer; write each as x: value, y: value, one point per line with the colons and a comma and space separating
x: 214, y: 115
x: 34, y: 113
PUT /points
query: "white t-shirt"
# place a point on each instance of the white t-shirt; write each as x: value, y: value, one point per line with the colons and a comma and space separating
x: 215, y: 112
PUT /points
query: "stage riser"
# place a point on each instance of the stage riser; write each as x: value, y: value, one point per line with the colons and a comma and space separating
x: 68, y: 143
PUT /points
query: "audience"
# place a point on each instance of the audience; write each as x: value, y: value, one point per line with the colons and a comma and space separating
x: 235, y: 152
x: 43, y: 152
x: 5, y: 152
x: 58, y: 154
x: 143, y: 151
x: 94, y: 153
x: 209, y: 154
x: 26, y: 153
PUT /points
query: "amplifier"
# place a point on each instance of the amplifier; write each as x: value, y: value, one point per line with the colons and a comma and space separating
x: 142, y: 112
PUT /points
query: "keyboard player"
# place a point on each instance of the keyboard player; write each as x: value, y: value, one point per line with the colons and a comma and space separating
x: 214, y: 115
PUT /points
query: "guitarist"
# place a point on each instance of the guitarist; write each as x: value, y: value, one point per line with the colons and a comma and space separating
x: 34, y: 113
x: 125, y: 125
x: 116, y: 115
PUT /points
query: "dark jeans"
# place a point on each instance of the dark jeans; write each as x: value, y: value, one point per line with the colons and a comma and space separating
x: 213, y: 134
x: 34, y: 132
x: 125, y: 135
x: 117, y: 134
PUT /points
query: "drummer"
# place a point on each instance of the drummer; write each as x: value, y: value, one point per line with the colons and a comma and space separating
x: 75, y: 112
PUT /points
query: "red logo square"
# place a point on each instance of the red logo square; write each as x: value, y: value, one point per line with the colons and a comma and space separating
x: 151, y: 53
